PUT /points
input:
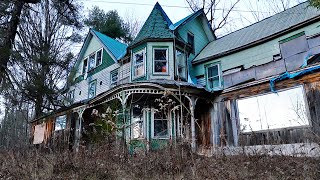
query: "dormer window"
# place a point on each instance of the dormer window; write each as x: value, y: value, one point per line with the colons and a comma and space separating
x: 160, y: 56
x: 139, y: 64
x: 191, y: 42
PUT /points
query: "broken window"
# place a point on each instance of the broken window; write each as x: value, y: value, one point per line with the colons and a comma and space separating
x: 160, y: 57
x: 160, y: 125
x: 214, y: 76
x: 137, y: 122
x: 61, y: 123
x: 114, y: 75
x: 138, y: 64
x: 274, y: 110
x: 92, y: 89
x: 181, y: 64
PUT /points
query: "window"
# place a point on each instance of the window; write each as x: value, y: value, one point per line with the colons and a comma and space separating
x: 61, y: 122
x: 71, y: 95
x: 274, y: 110
x: 181, y: 64
x: 85, y: 65
x: 213, y: 77
x: 138, y: 64
x: 191, y: 42
x: 160, y: 125
x: 160, y: 57
x: 92, y: 89
x: 114, y: 75
x: 99, y: 58
x: 137, y: 122
x: 92, y: 61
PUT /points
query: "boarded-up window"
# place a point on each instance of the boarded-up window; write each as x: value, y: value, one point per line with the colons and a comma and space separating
x: 38, y: 135
x: 271, y: 111
x: 61, y: 123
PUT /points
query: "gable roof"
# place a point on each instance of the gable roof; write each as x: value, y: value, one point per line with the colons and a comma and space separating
x: 259, y: 32
x: 186, y: 19
x: 155, y: 27
x: 116, y: 48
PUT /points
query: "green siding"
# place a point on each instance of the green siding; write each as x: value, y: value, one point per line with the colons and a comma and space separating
x: 256, y: 55
x: 200, y: 38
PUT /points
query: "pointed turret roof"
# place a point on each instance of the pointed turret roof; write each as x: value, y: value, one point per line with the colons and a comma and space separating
x: 155, y: 27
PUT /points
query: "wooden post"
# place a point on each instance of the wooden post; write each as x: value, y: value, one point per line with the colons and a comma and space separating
x: 192, y: 104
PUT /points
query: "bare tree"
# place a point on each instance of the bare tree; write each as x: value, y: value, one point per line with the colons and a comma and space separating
x: 218, y: 12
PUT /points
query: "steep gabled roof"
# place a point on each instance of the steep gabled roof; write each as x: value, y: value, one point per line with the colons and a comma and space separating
x: 186, y: 19
x: 155, y: 27
x: 116, y: 48
x: 259, y: 32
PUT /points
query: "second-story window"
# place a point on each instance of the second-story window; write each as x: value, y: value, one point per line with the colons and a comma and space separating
x: 85, y: 66
x: 138, y: 64
x: 214, y: 77
x: 92, y: 89
x: 181, y: 61
x: 191, y: 42
x: 160, y: 56
x: 114, y: 75
x: 71, y: 95
x: 92, y: 61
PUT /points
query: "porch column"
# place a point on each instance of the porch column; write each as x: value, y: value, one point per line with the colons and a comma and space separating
x: 192, y: 104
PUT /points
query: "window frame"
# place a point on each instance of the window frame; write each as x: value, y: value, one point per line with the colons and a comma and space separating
x: 71, y: 95
x: 134, y: 65
x: 142, y: 120
x: 64, y: 116
x: 154, y: 60
x: 95, y: 89
x: 179, y: 66
x: 190, y: 34
x: 114, y: 83
x: 94, y: 61
x: 101, y: 56
x: 85, y: 68
x: 153, y: 124
x: 219, y: 75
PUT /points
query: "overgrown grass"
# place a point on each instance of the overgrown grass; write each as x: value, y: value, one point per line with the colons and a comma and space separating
x: 106, y: 162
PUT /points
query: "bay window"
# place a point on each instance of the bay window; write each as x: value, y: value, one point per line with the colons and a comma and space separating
x: 160, y: 125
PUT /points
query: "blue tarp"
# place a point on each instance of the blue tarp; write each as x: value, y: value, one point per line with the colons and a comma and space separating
x: 288, y: 75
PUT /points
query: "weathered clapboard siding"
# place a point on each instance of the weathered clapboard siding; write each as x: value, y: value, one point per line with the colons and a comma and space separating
x: 257, y: 55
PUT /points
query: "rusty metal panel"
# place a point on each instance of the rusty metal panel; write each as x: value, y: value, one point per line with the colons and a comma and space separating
x: 244, y: 76
x: 295, y: 61
x: 313, y: 42
x: 294, y: 46
x: 270, y: 69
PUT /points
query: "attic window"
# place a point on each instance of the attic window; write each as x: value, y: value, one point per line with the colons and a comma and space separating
x: 191, y: 42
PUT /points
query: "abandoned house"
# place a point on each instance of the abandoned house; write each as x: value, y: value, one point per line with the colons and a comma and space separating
x: 176, y: 81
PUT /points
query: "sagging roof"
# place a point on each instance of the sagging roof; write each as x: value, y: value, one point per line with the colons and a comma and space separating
x: 116, y: 48
x: 155, y: 27
x: 257, y: 32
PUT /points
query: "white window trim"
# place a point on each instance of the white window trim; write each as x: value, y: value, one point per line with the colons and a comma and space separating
x: 95, y: 61
x: 219, y: 75
x: 134, y: 63
x: 153, y: 111
x: 86, y: 70
x: 167, y: 60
